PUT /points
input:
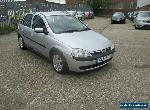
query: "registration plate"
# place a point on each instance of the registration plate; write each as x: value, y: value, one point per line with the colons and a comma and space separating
x: 102, y: 59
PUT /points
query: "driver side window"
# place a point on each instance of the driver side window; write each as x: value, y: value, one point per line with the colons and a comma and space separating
x: 38, y: 22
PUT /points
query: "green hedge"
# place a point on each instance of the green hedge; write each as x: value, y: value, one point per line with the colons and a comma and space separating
x: 5, y: 28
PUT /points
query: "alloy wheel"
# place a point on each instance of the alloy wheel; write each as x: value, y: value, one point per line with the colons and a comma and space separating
x: 57, y: 63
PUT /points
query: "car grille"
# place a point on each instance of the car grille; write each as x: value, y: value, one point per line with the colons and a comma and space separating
x: 94, y: 65
x: 101, y: 51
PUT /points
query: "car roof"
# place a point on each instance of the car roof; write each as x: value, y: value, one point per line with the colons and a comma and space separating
x: 50, y: 13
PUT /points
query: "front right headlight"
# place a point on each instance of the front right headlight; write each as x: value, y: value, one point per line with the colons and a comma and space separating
x: 76, y: 52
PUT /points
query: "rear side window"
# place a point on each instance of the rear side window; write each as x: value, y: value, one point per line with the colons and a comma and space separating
x: 38, y: 22
x: 27, y: 20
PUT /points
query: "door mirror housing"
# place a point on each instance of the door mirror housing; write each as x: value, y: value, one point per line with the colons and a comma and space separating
x: 41, y: 30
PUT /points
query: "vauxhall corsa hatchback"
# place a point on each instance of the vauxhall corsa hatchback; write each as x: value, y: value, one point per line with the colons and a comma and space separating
x: 69, y: 43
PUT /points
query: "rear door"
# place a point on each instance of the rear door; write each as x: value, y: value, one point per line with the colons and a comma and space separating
x: 25, y: 28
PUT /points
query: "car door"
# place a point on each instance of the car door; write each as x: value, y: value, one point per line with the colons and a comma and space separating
x: 39, y: 40
x: 25, y: 28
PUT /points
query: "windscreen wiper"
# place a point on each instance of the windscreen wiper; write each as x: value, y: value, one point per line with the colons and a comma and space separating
x: 70, y: 31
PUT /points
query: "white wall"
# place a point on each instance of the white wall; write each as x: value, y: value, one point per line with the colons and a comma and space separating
x: 142, y: 3
x: 57, y: 1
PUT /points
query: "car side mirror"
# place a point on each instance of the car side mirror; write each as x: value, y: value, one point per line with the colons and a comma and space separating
x: 41, y: 30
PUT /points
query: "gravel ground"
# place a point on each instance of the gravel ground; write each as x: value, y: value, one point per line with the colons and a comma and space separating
x: 28, y: 82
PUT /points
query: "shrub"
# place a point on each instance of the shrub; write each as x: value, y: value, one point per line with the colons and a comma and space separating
x: 5, y: 28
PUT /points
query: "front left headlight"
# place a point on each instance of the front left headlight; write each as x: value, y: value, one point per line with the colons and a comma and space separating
x: 80, y: 53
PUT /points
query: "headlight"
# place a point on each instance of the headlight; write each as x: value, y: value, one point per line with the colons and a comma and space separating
x: 112, y: 46
x: 80, y: 53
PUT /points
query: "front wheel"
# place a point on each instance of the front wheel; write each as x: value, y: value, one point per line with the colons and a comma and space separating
x: 136, y: 27
x: 124, y: 22
x: 59, y: 63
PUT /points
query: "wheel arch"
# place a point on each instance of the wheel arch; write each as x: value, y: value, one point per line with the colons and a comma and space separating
x: 55, y: 49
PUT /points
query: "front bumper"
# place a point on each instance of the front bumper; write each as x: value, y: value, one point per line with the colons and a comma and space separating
x: 142, y: 25
x: 118, y: 19
x: 82, y: 65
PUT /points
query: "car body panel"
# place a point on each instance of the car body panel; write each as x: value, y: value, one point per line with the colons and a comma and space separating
x: 140, y: 22
x: 82, y: 39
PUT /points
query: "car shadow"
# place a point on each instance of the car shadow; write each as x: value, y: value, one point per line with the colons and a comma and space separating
x: 39, y: 55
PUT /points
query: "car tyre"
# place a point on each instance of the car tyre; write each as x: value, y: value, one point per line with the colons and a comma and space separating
x: 123, y: 22
x: 59, y: 63
x: 112, y: 22
x: 21, y: 43
x: 136, y: 27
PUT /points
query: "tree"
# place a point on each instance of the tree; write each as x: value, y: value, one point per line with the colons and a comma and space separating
x: 99, y: 4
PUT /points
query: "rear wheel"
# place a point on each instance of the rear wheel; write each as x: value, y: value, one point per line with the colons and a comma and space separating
x: 59, y: 63
x: 124, y: 22
x: 21, y: 43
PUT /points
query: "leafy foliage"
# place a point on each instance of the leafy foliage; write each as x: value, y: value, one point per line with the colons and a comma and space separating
x: 5, y: 28
x: 97, y: 4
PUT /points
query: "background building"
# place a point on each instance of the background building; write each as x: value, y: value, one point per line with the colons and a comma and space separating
x: 73, y: 2
x: 114, y: 4
x: 143, y: 4
x: 126, y: 5
x: 55, y: 1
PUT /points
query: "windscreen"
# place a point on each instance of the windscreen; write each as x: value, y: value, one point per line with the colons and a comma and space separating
x: 64, y: 24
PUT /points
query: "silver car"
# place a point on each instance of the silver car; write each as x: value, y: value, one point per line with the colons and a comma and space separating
x: 69, y: 43
x: 142, y: 20
x: 118, y: 17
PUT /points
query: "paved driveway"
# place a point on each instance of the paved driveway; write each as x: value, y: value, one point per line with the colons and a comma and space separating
x: 28, y: 82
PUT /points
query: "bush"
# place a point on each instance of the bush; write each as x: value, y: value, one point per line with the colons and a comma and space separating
x: 5, y: 28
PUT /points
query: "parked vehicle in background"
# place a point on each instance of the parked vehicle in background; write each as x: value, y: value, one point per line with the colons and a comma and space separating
x: 130, y: 15
x: 77, y: 14
x: 65, y: 40
x: 89, y: 14
x: 72, y: 13
x: 118, y: 17
x: 80, y: 15
x: 133, y: 16
x: 142, y: 20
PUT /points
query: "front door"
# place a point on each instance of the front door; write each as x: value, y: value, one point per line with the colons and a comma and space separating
x: 39, y: 40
